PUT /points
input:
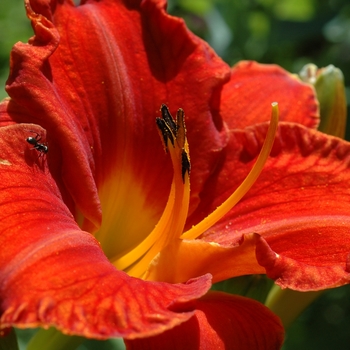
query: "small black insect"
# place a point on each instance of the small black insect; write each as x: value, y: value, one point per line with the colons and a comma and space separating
x: 43, y: 148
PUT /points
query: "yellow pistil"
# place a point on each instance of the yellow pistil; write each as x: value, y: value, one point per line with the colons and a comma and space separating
x: 245, y: 186
x: 171, y: 224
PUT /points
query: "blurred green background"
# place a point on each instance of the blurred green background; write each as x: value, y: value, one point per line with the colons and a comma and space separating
x: 290, y: 33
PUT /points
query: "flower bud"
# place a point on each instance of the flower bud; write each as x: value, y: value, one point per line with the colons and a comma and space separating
x: 329, y: 86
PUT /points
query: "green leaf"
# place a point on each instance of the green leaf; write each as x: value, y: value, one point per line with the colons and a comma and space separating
x: 9, y: 342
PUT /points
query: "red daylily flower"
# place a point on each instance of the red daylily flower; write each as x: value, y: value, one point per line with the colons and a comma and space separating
x: 93, y: 77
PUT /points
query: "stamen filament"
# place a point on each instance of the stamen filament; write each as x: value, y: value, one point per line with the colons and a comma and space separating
x: 172, y: 221
x: 129, y: 258
x: 177, y: 220
x: 245, y: 186
x: 171, y: 224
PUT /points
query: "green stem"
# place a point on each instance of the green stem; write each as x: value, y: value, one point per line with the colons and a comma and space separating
x: 52, y: 339
x: 289, y: 304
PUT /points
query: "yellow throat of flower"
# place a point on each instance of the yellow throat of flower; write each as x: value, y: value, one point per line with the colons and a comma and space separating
x: 171, y: 224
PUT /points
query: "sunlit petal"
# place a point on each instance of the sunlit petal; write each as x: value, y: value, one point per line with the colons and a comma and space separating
x: 294, y: 205
x: 54, y: 274
x: 254, y: 86
x: 100, y: 119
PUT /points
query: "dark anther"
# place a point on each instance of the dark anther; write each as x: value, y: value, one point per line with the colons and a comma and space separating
x: 168, y: 118
x: 185, y: 164
x: 165, y: 131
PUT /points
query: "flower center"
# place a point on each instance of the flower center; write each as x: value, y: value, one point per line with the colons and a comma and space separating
x: 171, y: 224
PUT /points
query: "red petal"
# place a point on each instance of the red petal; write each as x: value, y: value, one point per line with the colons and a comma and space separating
x: 328, y: 268
x: 98, y: 88
x: 247, y: 98
x: 221, y: 321
x: 300, y: 204
x: 98, y: 92
x: 54, y: 274
x: 5, y: 119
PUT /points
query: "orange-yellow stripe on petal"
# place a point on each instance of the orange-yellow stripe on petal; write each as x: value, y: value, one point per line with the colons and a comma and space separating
x: 128, y: 198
